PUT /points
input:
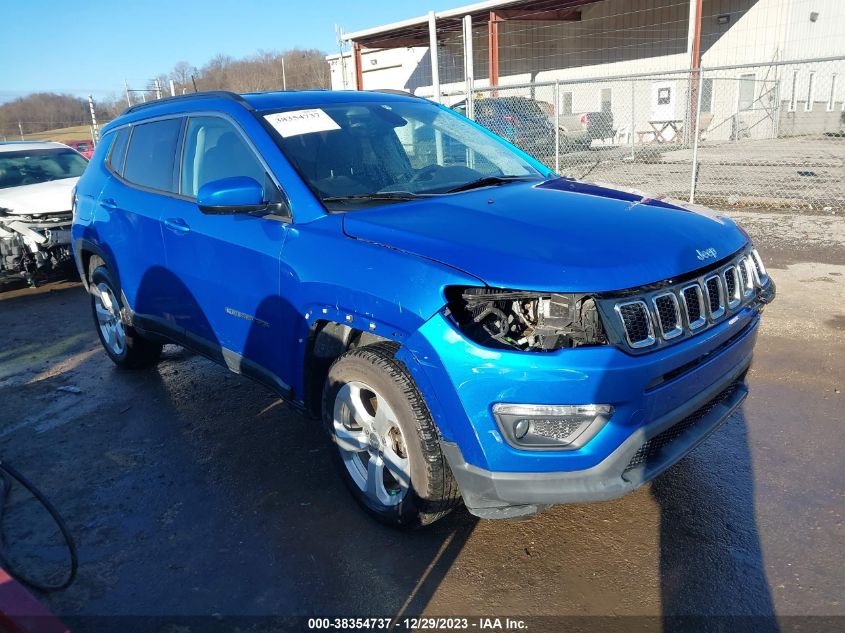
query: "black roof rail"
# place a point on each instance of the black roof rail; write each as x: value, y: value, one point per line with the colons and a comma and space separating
x: 219, y: 94
x: 394, y: 91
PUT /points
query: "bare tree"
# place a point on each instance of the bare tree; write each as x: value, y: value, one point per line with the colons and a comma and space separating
x: 298, y: 68
x: 181, y: 76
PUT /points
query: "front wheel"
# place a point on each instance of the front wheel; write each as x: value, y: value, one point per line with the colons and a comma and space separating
x: 387, y: 444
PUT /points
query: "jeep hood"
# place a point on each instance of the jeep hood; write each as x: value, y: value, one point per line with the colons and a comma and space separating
x: 559, y: 235
x: 52, y: 196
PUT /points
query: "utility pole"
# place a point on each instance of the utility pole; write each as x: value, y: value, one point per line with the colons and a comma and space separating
x: 433, y: 54
x: 284, y: 76
x: 20, y: 127
x: 126, y: 88
x: 157, y: 84
x: 94, y: 127
x: 339, y: 32
x: 172, y: 89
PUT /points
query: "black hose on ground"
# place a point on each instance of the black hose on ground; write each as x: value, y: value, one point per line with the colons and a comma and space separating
x: 7, y: 476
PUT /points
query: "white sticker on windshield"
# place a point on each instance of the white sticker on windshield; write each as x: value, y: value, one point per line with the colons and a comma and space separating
x: 299, y: 122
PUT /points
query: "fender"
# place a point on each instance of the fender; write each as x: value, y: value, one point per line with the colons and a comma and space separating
x: 82, y: 246
x: 369, y: 287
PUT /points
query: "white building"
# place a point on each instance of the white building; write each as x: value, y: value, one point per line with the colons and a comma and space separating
x: 630, y: 57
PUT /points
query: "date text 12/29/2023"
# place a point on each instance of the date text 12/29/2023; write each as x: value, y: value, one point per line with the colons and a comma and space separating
x: 418, y: 624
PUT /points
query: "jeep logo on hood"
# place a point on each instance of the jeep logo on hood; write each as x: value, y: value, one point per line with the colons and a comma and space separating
x: 707, y: 253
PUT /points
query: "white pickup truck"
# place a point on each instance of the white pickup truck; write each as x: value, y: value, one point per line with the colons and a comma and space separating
x: 578, y: 131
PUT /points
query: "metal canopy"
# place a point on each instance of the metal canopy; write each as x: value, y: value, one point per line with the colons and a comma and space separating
x: 415, y: 32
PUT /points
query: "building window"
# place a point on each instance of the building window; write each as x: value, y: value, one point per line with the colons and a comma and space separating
x: 664, y: 96
x: 566, y: 106
x: 707, y: 95
x: 793, y: 100
x: 747, y: 84
x: 811, y: 89
x: 831, y: 101
x: 606, y: 102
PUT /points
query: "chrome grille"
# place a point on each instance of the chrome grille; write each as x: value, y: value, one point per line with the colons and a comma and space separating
x: 637, y: 323
x: 762, y: 277
x: 693, y: 306
x: 715, y: 296
x: 731, y: 286
x: 677, y: 310
x: 668, y: 315
x: 746, y: 276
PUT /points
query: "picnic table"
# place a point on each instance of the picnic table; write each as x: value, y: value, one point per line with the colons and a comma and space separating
x: 660, y: 127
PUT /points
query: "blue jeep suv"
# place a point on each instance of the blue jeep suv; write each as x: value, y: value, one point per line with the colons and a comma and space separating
x: 467, y: 324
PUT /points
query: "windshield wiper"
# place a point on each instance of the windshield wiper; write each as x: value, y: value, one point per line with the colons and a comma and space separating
x: 488, y: 181
x: 385, y: 195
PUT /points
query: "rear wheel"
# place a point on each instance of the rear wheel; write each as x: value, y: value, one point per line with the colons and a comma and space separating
x: 122, y: 343
x: 387, y: 444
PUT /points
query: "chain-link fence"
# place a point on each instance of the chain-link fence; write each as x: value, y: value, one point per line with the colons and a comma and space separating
x: 765, y: 135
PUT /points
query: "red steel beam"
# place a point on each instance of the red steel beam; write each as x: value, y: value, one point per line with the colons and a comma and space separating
x: 493, y: 47
x: 359, y: 68
x: 695, y: 64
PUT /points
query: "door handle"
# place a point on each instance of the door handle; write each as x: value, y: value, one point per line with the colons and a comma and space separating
x: 177, y: 225
x: 109, y: 203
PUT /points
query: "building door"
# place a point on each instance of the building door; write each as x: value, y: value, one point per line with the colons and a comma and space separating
x: 663, y: 101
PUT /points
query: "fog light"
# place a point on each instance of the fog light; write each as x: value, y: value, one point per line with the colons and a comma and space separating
x: 520, y: 428
x: 540, y: 426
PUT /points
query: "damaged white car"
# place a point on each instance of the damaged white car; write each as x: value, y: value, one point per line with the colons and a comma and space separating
x: 36, y: 184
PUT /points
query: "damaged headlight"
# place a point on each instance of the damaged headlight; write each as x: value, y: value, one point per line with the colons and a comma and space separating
x: 528, y: 321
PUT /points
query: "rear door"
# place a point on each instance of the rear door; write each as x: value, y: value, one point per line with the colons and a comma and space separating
x: 142, y: 164
x: 227, y: 266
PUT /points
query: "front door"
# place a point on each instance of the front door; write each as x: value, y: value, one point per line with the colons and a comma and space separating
x: 227, y: 266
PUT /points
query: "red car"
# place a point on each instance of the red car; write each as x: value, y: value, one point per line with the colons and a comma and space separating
x: 86, y: 148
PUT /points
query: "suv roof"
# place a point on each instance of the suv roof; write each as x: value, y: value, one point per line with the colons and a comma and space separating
x: 16, y: 146
x: 259, y: 101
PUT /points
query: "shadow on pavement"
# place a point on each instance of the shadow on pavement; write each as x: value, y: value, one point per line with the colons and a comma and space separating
x: 194, y: 493
x: 711, y: 561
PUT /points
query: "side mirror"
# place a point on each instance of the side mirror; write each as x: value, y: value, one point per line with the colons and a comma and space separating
x: 239, y: 194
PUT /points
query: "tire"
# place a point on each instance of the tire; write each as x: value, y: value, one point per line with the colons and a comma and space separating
x: 368, y: 395
x: 125, y: 347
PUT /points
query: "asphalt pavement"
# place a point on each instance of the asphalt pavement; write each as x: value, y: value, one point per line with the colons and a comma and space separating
x: 194, y: 492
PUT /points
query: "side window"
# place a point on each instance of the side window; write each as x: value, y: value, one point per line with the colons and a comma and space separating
x: 117, y: 153
x: 213, y: 150
x: 152, y: 154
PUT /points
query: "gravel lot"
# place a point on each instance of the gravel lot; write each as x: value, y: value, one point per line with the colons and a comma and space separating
x: 192, y: 491
x: 786, y: 173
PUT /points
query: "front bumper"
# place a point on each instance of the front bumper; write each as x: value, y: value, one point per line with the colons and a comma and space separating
x: 37, y: 232
x: 660, y: 392
x: 648, y: 452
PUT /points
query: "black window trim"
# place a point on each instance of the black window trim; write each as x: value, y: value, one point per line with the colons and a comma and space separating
x: 288, y: 219
x: 135, y: 185
x: 109, y: 165
x: 225, y: 117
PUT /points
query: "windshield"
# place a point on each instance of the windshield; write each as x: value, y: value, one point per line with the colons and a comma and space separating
x: 29, y: 167
x: 354, y: 155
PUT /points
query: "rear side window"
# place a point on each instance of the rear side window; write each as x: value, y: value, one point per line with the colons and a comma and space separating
x: 117, y: 153
x: 152, y: 154
x: 213, y: 150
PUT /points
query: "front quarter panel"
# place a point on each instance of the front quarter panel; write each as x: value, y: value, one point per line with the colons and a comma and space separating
x: 329, y: 276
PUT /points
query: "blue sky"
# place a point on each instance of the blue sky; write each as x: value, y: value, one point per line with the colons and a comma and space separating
x: 89, y: 47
